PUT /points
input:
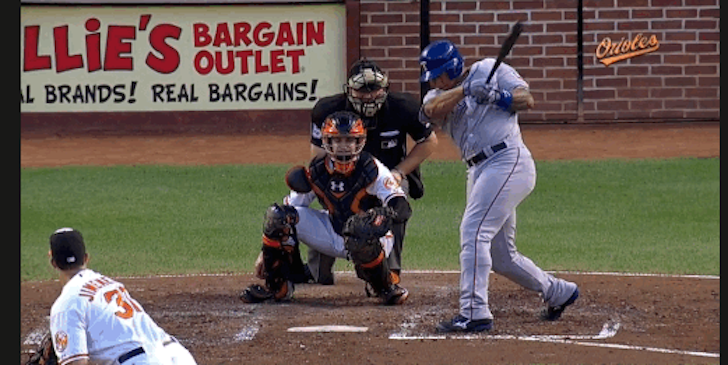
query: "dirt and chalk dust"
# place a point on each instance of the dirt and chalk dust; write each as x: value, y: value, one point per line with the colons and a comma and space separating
x: 658, y: 319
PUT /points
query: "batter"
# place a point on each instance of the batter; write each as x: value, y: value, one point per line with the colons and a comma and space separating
x: 482, y: 120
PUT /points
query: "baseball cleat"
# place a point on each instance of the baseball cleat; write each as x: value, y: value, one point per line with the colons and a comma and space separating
x: 554, y: 313
x: 255, y: 293
x: 394, y: 295
x: 461, y: 324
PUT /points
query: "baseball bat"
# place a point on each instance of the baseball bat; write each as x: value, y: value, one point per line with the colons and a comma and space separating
x: 506, y: 48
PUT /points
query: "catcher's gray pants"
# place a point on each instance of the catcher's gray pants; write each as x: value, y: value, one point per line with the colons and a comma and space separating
x: 495, y: 187
x: 315, y: 230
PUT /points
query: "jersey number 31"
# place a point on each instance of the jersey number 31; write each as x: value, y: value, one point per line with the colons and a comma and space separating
x: 124, y: 301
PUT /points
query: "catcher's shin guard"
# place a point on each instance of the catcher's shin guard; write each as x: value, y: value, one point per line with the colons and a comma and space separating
x: 361, y: 239
x: 277, y: 260
x: 378, y: 276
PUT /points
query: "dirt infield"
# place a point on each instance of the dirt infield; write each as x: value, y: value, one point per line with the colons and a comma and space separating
x: 659, y: 313
x: 618, y: 319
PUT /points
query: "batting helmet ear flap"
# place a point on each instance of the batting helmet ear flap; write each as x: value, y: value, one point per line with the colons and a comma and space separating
x: 297, y: 179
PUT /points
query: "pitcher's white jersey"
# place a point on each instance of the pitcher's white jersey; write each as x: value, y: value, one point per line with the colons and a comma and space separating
x: 95, y: 318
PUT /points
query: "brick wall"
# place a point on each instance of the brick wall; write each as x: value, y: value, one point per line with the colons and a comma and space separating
x: 679, y: 81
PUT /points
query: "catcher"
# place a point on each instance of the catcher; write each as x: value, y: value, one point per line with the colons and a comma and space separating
x: 347, y: 182
x: 391, y: 119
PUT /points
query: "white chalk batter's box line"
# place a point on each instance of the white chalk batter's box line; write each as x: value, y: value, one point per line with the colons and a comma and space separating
x: 609, y: 330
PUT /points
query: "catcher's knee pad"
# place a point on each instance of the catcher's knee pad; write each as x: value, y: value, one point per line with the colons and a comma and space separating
x: 279, y: 223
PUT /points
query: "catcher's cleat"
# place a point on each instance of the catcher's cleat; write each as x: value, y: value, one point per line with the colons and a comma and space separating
x: 255, y: 293
x: 554, y: 313
x: 394, y: 295
x: 461, y: 324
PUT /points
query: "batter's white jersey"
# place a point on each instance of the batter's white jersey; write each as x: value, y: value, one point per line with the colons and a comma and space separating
x: 95, y: 318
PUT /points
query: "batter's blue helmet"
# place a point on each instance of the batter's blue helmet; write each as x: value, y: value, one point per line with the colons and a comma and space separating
x: 438, y: 57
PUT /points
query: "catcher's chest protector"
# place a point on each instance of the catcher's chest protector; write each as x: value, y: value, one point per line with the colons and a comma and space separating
x: 343, y: 195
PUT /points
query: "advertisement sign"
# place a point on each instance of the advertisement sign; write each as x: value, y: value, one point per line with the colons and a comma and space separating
x: 76, y: 58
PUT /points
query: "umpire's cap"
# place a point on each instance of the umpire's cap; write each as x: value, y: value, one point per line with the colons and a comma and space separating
x: 67, y: 248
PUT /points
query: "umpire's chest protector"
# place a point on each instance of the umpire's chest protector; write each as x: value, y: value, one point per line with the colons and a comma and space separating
x: 343, y: 195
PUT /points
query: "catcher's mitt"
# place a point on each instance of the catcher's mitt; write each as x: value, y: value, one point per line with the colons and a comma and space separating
x: 370, y: 225
x: 45, y: 354
x: 362, y: 231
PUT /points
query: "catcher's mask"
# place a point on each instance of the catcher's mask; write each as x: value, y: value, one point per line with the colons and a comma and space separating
x: 343, y: 136
x: 366, y: 88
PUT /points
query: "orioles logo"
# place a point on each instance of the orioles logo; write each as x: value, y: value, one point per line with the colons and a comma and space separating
x: 390, y: 183
x: 61, y: 341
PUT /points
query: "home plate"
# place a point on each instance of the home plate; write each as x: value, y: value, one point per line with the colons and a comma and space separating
x: 328, y: 328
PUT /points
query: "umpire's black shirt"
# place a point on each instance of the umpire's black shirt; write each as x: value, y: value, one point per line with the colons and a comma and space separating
x: 387, y: 131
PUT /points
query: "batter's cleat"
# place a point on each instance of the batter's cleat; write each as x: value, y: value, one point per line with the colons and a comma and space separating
x: 554, y: 313
x: 394, y: 295
x: 461, y: 324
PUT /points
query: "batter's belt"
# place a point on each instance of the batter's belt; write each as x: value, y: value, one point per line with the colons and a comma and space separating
x: 482, y: 155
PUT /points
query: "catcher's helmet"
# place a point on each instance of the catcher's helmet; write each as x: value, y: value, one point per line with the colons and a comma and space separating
x: 438, y: 57
x: 343, y: 136
x: 366, y: 87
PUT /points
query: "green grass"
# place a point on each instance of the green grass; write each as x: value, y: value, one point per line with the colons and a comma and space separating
x: 658, y: 216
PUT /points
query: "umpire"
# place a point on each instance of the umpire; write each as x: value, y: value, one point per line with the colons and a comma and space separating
x: 389, y: 118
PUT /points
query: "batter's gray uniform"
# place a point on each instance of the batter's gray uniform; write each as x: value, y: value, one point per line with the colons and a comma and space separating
x: 501, y: 174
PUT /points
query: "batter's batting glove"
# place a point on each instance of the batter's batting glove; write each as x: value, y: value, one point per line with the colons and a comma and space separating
x: 487, y: 93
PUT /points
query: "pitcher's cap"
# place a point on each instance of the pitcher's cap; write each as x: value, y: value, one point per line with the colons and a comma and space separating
x: 67, y: 248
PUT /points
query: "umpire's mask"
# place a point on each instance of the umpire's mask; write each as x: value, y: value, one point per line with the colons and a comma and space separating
x: 366, y: 88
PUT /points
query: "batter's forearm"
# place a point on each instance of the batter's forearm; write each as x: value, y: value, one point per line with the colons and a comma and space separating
x: 522, y: 99
x: 419, y: 153
x: 441, y: 105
